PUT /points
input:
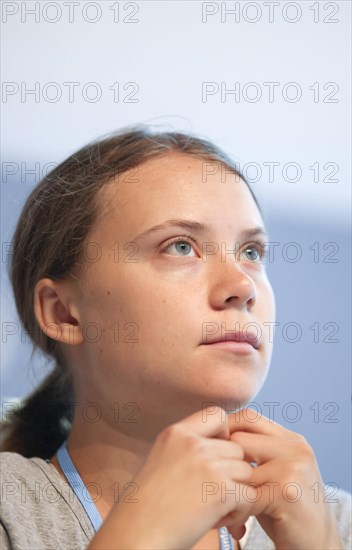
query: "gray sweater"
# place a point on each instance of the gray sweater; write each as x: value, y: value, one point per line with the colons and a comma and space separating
x: 40, y: 511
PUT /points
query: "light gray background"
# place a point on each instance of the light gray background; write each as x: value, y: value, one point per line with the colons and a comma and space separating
x: 168, y: 53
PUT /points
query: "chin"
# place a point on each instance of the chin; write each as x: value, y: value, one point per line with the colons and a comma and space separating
x: 234, y: 394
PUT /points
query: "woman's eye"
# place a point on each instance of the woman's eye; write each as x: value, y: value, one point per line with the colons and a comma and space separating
x: 255, y: 252
x: 181, y: 246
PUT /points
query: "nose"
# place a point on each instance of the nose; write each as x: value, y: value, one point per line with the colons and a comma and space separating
x: 231, y: 286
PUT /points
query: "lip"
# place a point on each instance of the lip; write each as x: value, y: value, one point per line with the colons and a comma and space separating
x: 241, y: 348
x: 236, y: 341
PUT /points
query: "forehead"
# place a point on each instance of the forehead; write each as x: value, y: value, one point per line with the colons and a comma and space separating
x: 173, y: 184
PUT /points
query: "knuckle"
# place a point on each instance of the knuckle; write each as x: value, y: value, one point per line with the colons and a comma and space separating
x: 247, y: 470
x: 212, y: 471
x: 187, y: 441
x: 250, y: 492
x: 299, y: 437
x: 304, y: 450
x: 196, y: 445
x: 297, y: 468
x: 171, y: 432
x: 237, y: 438
x: 238, y: 450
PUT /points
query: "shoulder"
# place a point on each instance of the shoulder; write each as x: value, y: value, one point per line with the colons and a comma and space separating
x: 15, y: 465
x: 18, y: 472
x: 38, y: 509
x: 341, y: 505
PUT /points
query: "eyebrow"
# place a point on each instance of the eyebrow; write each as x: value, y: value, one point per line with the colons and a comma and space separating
x: 197, y: 227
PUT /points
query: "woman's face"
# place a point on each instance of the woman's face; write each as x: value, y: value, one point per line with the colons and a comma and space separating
x: 148, y: 305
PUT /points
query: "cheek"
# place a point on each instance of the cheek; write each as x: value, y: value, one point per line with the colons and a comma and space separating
x: 149, y: 321
x: 265, y: 314
x: 267, y: 300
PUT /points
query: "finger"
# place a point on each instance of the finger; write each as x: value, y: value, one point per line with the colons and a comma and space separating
x: 237, y: 532
x: 273, y: 474
x: 238, y: 470
x: 270, y: 496
x: 208, y: 423
x: 245, y: 500
x: 266, y: 475
x: 265, y: 493
x: 253, y: 421
x: 219, y: 448
x: 262, y: 448
x: 240, y: 498
x: 235, y: 520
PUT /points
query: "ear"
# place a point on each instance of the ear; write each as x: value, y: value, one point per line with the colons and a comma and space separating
x: 57, y: 316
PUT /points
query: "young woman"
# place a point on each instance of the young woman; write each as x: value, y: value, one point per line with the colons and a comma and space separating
x: 138, y: 267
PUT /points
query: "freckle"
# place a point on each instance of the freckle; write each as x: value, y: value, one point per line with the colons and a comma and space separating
x: 101, y: 351
x: 108, y: 293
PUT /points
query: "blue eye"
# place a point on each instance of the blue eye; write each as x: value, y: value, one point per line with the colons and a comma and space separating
x: 181, y: 245
x: 256, y: 252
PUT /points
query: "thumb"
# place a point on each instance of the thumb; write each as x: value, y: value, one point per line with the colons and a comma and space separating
x: 236, y: 529
x: 237, y: 532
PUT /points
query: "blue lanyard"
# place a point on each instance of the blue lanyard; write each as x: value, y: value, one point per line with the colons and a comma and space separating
x: 75, y: 480
x: 78, y: 486
x: 226, y: 541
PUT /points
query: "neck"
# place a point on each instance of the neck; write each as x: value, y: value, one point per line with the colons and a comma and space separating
x: 106, y: 461
x: 108, y: 453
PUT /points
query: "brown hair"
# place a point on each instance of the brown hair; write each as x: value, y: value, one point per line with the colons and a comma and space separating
x: 48, y: 242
